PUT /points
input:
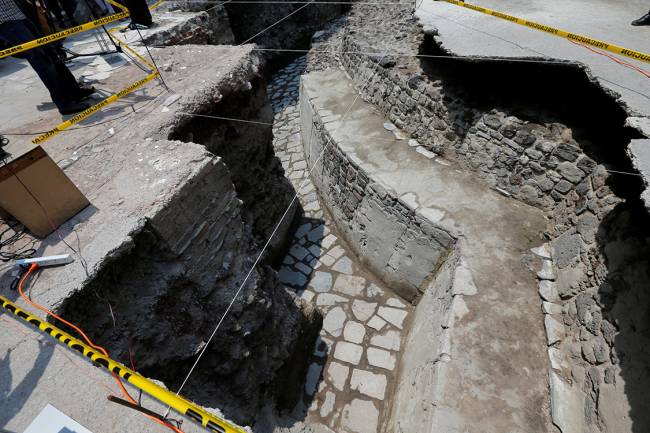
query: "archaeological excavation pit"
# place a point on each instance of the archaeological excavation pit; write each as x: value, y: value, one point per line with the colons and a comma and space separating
x: 405, y: 238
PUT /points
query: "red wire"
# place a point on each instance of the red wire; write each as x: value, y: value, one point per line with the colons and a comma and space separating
x: 126, y: 394
x: 613, y: 58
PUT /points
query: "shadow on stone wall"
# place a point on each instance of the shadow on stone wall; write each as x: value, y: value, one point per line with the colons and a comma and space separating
x: 555, y: 96
x: 624, y: 240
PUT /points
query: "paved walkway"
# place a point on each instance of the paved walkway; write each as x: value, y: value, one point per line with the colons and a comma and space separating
x: 353, y: 369
x: 496, y: 379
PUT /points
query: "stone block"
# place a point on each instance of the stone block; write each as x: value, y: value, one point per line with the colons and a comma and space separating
x: 363, y: 310
x: 566, y: 249
x: 393, y: 316
x: 348, y: 352
x: 360, y: 416
x: 368, y: 383
x: 380, y: 358
x: 338, y: 375
x: 334, y: 320
x: 354, y: 332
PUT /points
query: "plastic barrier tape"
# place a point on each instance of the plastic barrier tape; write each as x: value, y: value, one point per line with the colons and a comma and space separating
x: 62, y: 34
x: 644, y: 57
x: 81, y: 116
x: 183, y: 406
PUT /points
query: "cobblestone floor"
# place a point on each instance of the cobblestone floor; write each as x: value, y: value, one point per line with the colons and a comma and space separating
x: 355, y: 360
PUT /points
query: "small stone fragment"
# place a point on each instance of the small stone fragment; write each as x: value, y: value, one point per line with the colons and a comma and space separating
x: 374, y: 291
x: 338, y: 374
x: 350, y: 285
x: 291, y: 277
x: 363, y: 310
x: 348, y: 352
x: 394, y: 302
x: 554, y: 330
x: 354, y: 332
x: 333, y: 321
x: 548, y: 291
x: 321, y: 282
x: 377, y: 323
x: 393, y: 316
x: 547, y: 272
x: 328, y: 405
x: 368, y: 383
x: 360, y: 416
x: 389, y: 340
x: 344, y: 266
x: 380, y: 358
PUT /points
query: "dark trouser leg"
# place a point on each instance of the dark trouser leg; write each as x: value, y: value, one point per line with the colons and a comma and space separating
x: 69, y: 6
x: 53, y: 73
x: 53, y: 6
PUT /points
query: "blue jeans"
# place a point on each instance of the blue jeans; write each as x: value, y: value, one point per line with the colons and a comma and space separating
x: 56, y: 76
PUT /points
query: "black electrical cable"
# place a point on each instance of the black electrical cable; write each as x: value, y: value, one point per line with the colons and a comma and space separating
x: 16, y: 232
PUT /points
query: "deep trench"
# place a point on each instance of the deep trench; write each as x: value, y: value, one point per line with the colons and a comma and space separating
x: 161, y: 310
x: 597, y: 122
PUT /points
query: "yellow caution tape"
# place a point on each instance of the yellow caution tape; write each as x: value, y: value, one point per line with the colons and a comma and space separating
x: 86, y: 113
x: 644, y: 57
x: 195, y: 413
x: 61, y: 35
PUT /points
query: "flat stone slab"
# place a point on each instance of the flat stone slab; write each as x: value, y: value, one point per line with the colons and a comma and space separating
x: 360, y: 416
x: 368, y: 383
x: 348, y: 352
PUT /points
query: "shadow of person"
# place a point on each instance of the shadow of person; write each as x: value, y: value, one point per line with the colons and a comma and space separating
x: 14, y: 396
x: 624, y: 240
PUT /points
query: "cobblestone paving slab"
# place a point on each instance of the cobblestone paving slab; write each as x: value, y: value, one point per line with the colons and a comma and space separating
x: 354, y: 364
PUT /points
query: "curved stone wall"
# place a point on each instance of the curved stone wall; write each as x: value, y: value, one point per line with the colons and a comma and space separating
x: 400, y: 245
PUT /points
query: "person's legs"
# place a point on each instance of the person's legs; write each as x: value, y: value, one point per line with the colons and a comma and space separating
x: 58, y: 79
x: 643, y: 21
x: 70, y: 7
x: 53, y: 6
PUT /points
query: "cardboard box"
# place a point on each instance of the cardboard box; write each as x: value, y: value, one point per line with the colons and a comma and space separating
x: 35, y: 191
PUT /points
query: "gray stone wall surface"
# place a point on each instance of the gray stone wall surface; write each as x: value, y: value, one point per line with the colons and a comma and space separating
x: 400, y: 246
x: 539, y: 163
x: 210, y: 27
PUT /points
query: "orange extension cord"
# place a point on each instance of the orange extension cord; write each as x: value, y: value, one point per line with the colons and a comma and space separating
x: 31, y: 270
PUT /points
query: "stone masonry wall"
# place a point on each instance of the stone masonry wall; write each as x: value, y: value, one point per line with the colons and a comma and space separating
x: 169, y: 289
x: 399, y: 245
x: 210, y: 27
x: 538, y: 163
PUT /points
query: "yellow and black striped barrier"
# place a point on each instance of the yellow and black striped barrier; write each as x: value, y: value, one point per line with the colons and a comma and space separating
x: 183, y: 406
x: 61, y: 35
x: 92, y: 110
x: 644, y: 57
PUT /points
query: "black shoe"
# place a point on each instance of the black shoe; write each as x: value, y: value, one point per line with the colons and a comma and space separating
x: 84, y: 92
x: 73, y: 107
x: 643, y: 21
